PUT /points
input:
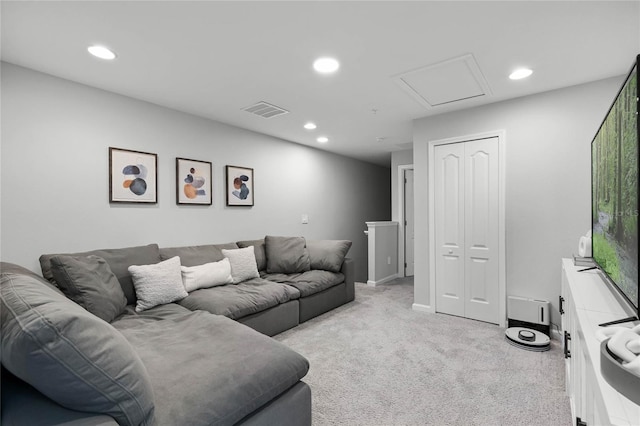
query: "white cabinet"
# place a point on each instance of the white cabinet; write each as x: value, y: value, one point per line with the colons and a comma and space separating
x: 586, y: 302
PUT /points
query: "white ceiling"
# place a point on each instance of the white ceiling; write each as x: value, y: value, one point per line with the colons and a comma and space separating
x: 212, y: 58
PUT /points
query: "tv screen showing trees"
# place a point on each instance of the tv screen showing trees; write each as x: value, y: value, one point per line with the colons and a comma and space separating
x: 614, y: 171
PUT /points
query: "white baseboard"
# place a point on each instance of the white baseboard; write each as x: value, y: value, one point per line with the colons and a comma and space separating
x: 382, y: 281
x: 423, y: 308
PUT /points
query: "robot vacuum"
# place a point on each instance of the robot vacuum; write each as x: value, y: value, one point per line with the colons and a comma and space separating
x: 527, y: 339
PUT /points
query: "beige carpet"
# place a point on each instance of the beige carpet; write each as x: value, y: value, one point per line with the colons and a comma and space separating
x: 376, y: 361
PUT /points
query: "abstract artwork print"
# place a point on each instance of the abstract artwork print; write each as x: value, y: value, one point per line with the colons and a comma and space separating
x: 133, y: 176
x: 239, y: 186
x: 193, y: 182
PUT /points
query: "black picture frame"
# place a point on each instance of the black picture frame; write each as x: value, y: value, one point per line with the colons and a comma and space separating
x: 194, y: 182
x: 239, y: 186
x: 133, y: 176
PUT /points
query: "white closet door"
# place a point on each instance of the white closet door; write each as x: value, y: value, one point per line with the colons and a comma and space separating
x: 449, y: 219
x: 481, y: 230
x: 466, y: 186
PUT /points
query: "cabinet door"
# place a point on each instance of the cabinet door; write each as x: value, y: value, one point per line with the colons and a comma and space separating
x: 577, y: 361
x: 565, y: 325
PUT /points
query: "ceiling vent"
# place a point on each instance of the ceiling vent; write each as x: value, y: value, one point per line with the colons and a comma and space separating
x: 265, y: 110
x: 443, y: 83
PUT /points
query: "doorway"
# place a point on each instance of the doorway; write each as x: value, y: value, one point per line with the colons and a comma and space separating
x: 406, y: 257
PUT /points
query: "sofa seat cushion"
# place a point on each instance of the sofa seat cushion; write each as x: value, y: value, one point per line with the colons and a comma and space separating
x: 308, y: 283
x: 131, y: 318
x: 239, y: 300
x: 209, y: 370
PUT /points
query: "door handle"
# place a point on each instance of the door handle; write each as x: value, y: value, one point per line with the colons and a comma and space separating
x: 567, y: 337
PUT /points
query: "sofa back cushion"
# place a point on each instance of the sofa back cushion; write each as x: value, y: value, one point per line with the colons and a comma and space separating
x: 88, y: 281
x: 258, y: 251
x: 197, y: 255
x: 286, y: 255
x: 119, y: 261
x: 328, y: 255
x: 70, y: 355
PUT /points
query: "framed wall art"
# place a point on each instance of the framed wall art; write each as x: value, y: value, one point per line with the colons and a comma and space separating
x: 133, y: 176
x: 193, y: 182
x: 240, y: 186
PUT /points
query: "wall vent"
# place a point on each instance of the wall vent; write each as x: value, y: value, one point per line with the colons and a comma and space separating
x: 265, y: 110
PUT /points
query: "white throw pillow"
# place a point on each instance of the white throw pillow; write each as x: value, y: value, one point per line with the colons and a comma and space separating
x: 157, y: 284
x: 243, y: 264
x: 207, y: 275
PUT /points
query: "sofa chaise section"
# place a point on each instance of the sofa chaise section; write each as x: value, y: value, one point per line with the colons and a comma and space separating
x: 208, y: 369
x: 171, y: 365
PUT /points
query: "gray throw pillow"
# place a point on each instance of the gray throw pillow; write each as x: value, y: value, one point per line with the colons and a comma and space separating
x: 286, y: 255
x: 119, y: 261
x: 328, y: 255
x: 70, y: 355
x: 88, y: 281
x: 258, y: 251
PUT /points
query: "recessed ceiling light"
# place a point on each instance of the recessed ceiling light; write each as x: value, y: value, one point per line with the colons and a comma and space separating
x: 310, y: 126
x: 101, y: 52
x: 326, y: 65
x: 323, y: 139
x: 520, y: 73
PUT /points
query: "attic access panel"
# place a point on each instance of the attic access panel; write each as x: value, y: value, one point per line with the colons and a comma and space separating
x: 454, y: 80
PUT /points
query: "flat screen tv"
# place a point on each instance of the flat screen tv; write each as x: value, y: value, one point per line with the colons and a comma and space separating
x: 614, y: 187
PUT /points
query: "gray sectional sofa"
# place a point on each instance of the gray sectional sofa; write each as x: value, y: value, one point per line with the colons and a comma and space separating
x: 81, y: 347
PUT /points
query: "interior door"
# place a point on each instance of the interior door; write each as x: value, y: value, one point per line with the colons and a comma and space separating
x: 409, y: 237
x: 481, y: 230
x: 466, y: 229
x: 449, y: 219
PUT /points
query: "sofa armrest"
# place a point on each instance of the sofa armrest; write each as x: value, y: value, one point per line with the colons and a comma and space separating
x: 22, y: 405
x: 349, y: 271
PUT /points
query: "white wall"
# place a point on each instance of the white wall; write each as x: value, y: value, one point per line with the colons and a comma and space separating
x: 548, y: 187
x: 55, y: 139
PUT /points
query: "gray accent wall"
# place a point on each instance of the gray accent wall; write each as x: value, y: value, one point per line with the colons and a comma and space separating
x: 54, y: 177
x: 548, y: 180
